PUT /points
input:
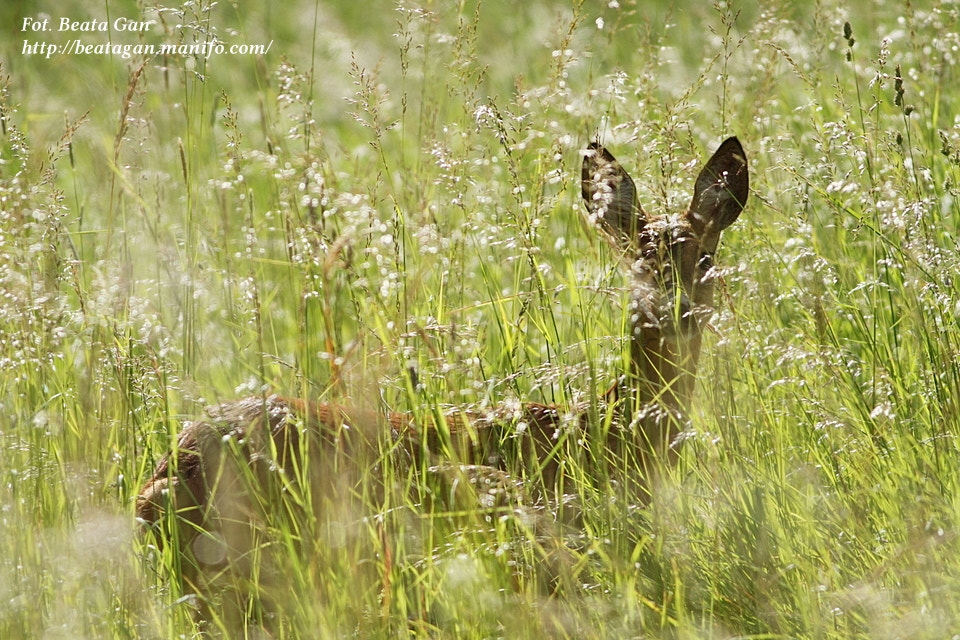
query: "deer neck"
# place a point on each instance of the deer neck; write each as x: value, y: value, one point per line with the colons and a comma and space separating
x: 660, y: 385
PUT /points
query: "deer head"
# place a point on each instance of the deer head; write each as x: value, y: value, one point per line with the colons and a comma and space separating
x: 670, y: 258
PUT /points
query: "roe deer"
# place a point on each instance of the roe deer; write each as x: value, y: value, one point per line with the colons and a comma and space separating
x: 670, y: 260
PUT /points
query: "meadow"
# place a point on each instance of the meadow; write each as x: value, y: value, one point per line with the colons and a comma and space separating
x: 385, y: 207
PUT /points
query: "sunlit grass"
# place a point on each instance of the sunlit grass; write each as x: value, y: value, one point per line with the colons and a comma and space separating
x: 385, y: 210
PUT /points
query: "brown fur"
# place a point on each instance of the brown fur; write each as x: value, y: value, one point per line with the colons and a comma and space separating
x: 186, y: 485
x: 199, y: 487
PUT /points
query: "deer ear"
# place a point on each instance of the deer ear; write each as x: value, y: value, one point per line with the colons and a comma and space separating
x: 611, y: 196
x: 720, y: 193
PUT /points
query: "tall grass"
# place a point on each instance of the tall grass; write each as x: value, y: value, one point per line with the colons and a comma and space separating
x: 385, y: 209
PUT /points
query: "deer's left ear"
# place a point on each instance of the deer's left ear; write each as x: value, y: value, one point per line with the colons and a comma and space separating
x: 720, y: 193
x: 611, y: 197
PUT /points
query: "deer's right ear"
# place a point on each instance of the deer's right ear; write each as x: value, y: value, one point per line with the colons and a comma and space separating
x: 611, y: 196
x: 720, y: 192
